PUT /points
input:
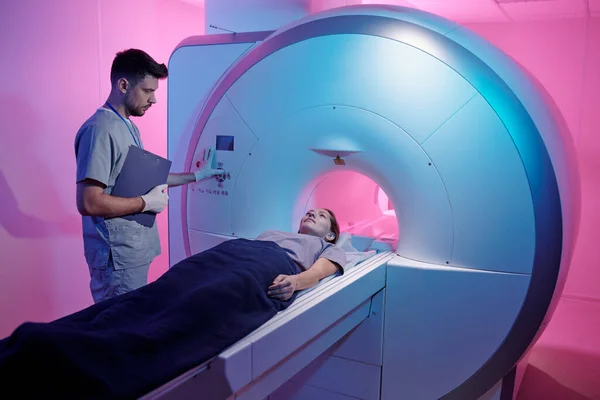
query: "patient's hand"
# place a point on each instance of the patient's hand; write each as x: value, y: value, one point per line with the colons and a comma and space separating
x: 283, y: 287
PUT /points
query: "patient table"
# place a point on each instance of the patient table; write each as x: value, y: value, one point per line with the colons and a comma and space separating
x: 263, y: 361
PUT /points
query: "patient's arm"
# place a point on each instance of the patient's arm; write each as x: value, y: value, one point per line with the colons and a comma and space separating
x: 284, y: 286
x: 321, y: 269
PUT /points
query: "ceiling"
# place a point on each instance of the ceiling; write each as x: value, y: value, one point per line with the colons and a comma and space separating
x: 501, y: 10
x: 462, y: 10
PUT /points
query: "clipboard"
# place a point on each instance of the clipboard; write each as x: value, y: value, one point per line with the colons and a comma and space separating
x: 142, y: 171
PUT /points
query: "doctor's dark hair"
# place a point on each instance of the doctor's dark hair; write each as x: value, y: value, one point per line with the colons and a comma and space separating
x: 335, y: 226
x: 135, y: 65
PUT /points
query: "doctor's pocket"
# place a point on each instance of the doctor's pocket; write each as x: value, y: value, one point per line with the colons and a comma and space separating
x: 132, y: 245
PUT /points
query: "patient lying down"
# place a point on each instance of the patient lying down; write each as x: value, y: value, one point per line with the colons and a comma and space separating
x: 129, y: 345
x: 312, y: 250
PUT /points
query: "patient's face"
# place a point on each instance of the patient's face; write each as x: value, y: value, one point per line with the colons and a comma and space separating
x: 316, y: 222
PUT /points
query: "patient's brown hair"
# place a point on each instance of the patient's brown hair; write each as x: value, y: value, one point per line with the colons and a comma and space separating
x: 335, y: 226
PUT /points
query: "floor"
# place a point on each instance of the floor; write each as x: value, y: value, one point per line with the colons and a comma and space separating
x: 565, y: 362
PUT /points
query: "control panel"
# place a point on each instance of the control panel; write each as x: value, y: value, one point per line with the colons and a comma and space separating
x: 209, y: 201
x: 224, y: 146
x: 221, y: 181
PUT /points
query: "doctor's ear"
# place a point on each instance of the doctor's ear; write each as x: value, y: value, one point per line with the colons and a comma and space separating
x: 123, y: 85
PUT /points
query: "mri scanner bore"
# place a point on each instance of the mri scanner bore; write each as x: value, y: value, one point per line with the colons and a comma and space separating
x: 364, y: 210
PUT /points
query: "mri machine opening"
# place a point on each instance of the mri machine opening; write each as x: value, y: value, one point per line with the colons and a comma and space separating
x: 421, y: 113
x: 362, y: 208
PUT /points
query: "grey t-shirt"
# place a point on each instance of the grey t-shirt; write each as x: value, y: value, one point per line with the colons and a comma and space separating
x: 101, y: 146
x: 305, y: 249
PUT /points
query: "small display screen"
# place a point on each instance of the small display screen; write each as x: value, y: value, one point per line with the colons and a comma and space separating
x: 225, y: 143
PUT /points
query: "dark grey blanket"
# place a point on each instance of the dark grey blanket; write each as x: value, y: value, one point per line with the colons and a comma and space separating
x: 127, y: 346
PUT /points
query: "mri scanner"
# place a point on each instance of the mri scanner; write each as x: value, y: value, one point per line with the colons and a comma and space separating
x: 472, y: 154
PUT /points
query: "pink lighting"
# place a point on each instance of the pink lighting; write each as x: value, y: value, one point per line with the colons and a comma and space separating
x: 361, y: 206
x: 477, y: 11
x: 385, y: 204
x: 55, y: 68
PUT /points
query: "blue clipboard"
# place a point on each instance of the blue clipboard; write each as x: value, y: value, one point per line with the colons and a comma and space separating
x: 142, y: 171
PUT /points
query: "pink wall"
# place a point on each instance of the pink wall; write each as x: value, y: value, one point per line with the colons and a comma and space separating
x: 55, y: 59
x: 565, y: 56
x: 316, y: 6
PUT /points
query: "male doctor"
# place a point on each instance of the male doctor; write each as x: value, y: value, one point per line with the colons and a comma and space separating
x: 119, y: 251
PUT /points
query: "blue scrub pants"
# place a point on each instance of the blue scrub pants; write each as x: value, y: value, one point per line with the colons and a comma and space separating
x: 110, y: 282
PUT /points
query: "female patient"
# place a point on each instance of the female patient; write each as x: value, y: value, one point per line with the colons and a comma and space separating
x: 311, y: 250
x: 128, y: 345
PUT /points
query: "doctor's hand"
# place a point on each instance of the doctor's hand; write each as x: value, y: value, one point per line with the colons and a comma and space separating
x: 207, y: 170
x: 283, y: 287
x: 156, y: 199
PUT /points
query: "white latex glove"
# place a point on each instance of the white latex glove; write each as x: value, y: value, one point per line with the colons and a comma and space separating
x: 156, y: 200
x: 207, y: 170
